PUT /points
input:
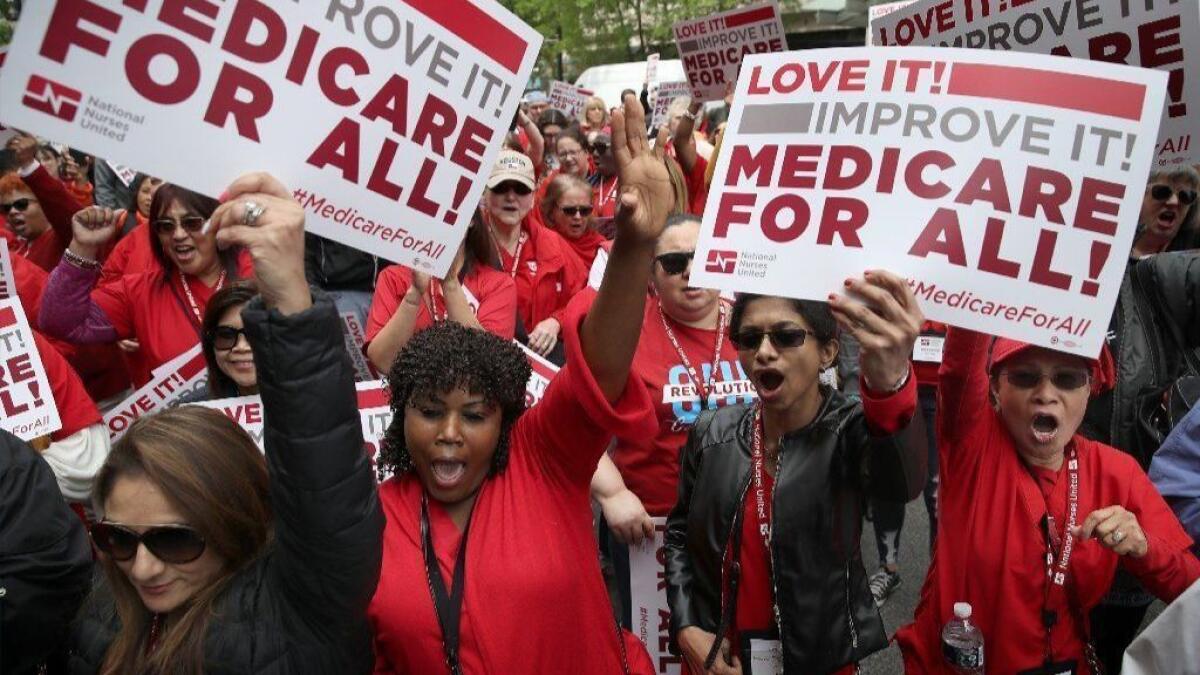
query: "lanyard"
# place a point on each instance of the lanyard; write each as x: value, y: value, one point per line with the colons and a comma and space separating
x: 606, y: 197
x: 447, y: 606
x: 703, y: 387
x: 1056, y: 570
x: 187, y: 289
x: 757, y: 458
x: 435, y: 289
x: 516, y: 254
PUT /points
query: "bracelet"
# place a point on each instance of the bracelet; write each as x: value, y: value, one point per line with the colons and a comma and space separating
x: 74, y: 259
x: 895, y: 388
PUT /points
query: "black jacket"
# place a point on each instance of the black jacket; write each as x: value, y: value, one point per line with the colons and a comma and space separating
x: 334, y: 266
x: 828, y: 617
x: 45, y: 561
x: 301, y: 607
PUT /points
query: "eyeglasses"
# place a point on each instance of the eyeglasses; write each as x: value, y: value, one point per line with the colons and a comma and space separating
x: 174, y: 544
x: 190, y: 224
x: 576, y: 210
x: 749, y: 339
x: 571, y: 153
x: 599, y: 149
x: 675, y: 262
x: 512, y: 186
x: 225, y: 337
x: 18, y: 204
x: 1063, y: 380
x: 1163, y: 192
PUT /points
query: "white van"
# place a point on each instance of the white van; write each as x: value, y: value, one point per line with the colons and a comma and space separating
x: 609, y: 80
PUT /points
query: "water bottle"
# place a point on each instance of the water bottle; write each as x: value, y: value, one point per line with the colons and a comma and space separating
x: 962, y: 642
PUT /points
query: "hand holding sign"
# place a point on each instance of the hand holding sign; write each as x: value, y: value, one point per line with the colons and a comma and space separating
x: 646, y: 191
x: 886, y: 323
x: 260, y: 215
x: 92, y: 228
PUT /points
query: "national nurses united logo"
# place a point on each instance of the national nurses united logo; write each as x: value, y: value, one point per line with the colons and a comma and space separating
x: 721, y: 262
x: 52, y: 98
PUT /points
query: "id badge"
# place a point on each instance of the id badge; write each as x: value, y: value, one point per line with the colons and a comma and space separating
x: 762, y: 656
x: 928, y: 348
x: 1059, y: 668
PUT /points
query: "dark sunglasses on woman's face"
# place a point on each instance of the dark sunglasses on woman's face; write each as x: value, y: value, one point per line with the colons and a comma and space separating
x: 676, y: 262
x: 1063, y: 380
x: 749, y: 339
x: 1163, y: 192
x: 512, y: 186
x: 226, y: 337
x: 576, y: 210
x: 599, y: 149
x: 190, y: 224
x: 174, y: 544
x: 18, y: 204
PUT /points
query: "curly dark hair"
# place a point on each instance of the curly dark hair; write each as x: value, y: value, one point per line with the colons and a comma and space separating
x: 448, y: 356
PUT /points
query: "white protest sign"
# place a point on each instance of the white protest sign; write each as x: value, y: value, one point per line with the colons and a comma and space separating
x: 355, y: 337
x: 542, y: 372
x: 876, y: 12
x: 124, y: 173
x: 5, y: 132
x: 27, y: 407
x: 170, y: 382
x: 667, y: 92
x: 712, y: 47
x: 375, y: 415
x: 568, y: 98
x: 1006, y: 187
x: 8, y: 279
x: 648, y: 600
x: 652, y: 69
x: 1159, y: 34
x: 245, y: 411
x: 381, y: 121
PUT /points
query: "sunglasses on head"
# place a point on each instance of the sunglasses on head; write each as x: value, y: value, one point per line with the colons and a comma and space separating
x: 750, y: 339
x: 18, y: 204
x: 1063, y: 380
x: 225, y: 337
x: 676, y: 262
x: 576, y: 210
x: 1163, y: 192
x: 190, y: 224
x: 512, y: 186
x: 174, y: 544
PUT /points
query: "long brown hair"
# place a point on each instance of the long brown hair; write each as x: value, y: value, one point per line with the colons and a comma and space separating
x: 212, y: 472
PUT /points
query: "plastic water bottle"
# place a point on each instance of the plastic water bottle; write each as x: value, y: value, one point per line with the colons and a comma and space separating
x: 962, y: 642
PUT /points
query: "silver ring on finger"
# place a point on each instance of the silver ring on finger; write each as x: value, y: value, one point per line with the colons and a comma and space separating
x: 1117, y: 536
x: 252, y: 212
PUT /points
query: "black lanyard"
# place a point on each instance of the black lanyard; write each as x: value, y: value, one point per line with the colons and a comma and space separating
x: 447, y: 606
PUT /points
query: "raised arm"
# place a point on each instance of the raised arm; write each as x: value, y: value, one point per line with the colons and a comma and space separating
x: 685, y: 139
x: 962, y: 384
x: 68, y: 309
x: 328, y: 523
x: 56, y: 201
x: 537, y: 144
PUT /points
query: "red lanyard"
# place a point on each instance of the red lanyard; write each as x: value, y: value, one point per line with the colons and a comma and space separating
x: 187, y: 289
x: 1056, y: 571
x: 435, y: 289
x: 516, y: 254
x: 757, y: 458
x: 703, y: 387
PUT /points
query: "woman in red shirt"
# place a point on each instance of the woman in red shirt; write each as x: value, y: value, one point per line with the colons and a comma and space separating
x: 489, y: 504
x: 133, y: 252
x: 162, y: 308
x: 1035, y: 519
x: 567, y: 209
x: 546, y: 273
x: 474, y: 294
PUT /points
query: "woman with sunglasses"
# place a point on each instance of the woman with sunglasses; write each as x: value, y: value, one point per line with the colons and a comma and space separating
x: 163, y: 307
x: 1170, y: 218
x: 567, y: 209
x: 214, y: 559
x: 604, y: 179
x: 474, y: 294
x: 1035, y: 518
x: 226, y: 347
x: 763, y: 543
x: 490, y: 558
x: 547, y: 275
x: 36, y: 206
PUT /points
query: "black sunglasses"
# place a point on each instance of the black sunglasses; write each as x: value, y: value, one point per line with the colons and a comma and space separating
x: 599, y: 148
x: 676, y: 262
x: 225, y: 337
x: 1063, y: 380
x: 1163, y: 192
x: 18, y: 204
x: 749, y: 339
x: 190, y: 224
x: 174, y: 544
x: 512, y: 186
x: 576, y: 210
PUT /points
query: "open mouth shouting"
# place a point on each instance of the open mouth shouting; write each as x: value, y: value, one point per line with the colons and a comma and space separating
x: 185, y: 253
x: 768, y: 382
x: 1044, y: 427
x: 1167, y: 219
x: 448, y: 473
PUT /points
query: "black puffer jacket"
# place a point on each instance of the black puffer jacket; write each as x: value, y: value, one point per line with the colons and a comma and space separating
x: 828, y: 617
x: 301, y: 607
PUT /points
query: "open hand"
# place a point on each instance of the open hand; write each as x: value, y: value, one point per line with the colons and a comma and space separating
x: 886, y: 322
x: 646, y: 192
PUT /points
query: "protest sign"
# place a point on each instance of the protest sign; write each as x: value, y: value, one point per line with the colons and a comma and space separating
x: 27, y: 407
x: 652, y: 69
x: 124, y: 173
x: 8, y: 282
x: 375, y: 415
x: 667, y: 92
x: 5, y: 132
x: 381, y: 119
x: 712, y: 47
x: 651, y: 616
x: 568, y: 98
x: 1005, y: 187
x: 542, y: 372
x: 355, y: 337
x: 179, y: 377
x: 876, y: 12
x: 1159, y: 34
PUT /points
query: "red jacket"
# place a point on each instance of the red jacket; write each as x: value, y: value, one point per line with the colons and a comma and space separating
x: 547, y: 275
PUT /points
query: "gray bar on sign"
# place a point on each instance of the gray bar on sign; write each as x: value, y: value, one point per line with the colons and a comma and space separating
x: 776, y: 118
x: 688, y: 46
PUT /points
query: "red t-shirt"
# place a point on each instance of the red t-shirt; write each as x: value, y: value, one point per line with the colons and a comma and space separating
x: 991, y: 551
x: 650, y: 463
x: 755, y: 605
x: 491, y: 294
x: 76, y: 410
x: 534, y: 600
x: 697, y: 190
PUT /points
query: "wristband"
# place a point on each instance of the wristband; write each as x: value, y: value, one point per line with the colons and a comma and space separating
x: 74, y: 259
x: 896, y: 388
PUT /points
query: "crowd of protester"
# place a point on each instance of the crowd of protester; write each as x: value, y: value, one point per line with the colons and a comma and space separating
x: 797, y: 420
